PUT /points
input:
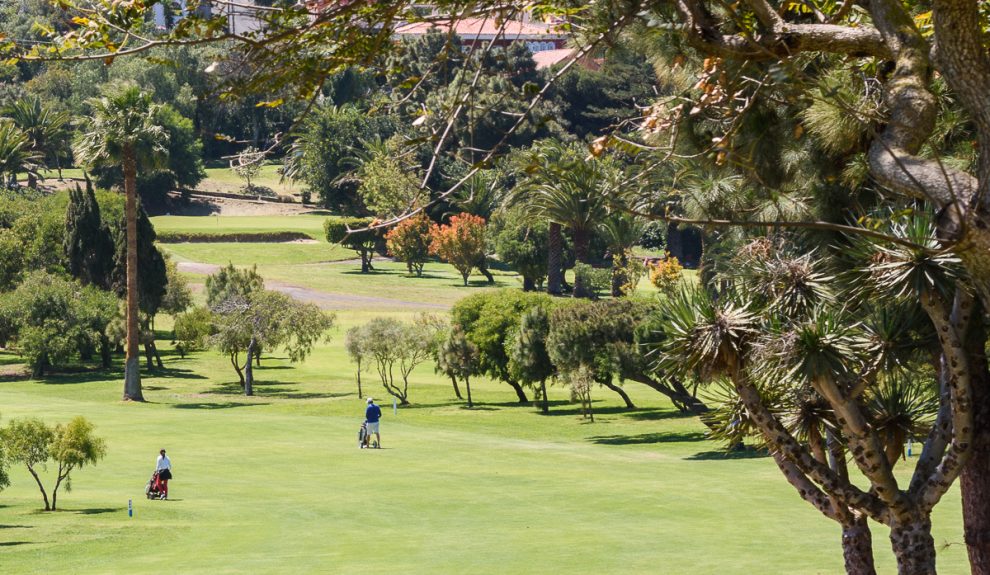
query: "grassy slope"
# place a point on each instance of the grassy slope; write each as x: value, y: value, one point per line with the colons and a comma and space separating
x: 275, y: 484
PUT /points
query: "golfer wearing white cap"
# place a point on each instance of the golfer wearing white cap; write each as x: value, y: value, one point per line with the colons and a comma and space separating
x: 371, y: 416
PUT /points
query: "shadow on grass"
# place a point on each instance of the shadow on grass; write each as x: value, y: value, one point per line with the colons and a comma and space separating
x: 88, y: 375
x: 214, y: 405
x: 280, y: 391
x: 647, y: 438
x: 719, y: 455
x: 658, y: 414
x: 576, y: 410
x: 98, y: 510
x: 16, y: 526
x: 14, y: 543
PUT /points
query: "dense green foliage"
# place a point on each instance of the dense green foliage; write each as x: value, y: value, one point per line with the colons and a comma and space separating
x: 489, y: 321
x: 51, y: 319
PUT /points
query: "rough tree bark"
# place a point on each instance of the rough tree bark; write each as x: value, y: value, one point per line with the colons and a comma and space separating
x: 132, y: 364
x: 555, y: 257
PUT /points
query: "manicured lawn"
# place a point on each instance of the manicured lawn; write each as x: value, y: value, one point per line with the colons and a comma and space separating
x: 248, y: 254
x: 218, y: 179
x: 275, y: 484
x: 311, y: 225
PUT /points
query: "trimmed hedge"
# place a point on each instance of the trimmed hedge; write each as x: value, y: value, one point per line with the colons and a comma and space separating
x: 243, y: 237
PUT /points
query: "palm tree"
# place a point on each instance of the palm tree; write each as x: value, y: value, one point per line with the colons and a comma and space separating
x: 123, y: 131
x: 621, y: 231
x: 43, y: 126
x: 569, y: 191
x: 16, y: 154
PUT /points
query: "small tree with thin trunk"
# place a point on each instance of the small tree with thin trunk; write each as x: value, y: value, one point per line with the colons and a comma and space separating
x: 266, y: 320
x: 354, y: 343
x: 393, y: 345
x: 69, y: 447
x: 409, y: 242
x: 458, y: 358
x: 461, y: 243
x: 247, y: 165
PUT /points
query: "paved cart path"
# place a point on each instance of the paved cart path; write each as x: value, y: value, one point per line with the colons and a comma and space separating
x: 326, y: 300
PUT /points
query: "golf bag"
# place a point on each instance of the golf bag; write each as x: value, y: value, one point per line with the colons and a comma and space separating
x: 155, y: 489
x: 363, y: 436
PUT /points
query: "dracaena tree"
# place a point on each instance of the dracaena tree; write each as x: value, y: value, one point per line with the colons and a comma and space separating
x: 817, y: 381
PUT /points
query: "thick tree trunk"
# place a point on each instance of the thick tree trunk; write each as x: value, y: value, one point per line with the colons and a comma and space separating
x: 974, y: 482
x: 914, y: 547
x: 249, y: 369
x: 483, y: 270
x: 457, y: 390
x: 132, y: 374
x: 520, y: 393
x: 581, y: 289
x: 555, y: 260
x: 857, y: 548
x: 621, y: 392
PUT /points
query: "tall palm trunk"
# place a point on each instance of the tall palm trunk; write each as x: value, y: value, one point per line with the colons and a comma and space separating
x: 581, y: 240
x: 555, y: 256
x: 132, y: 366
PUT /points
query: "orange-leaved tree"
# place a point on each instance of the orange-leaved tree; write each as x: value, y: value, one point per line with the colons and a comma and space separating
x: 409, y: 242
x: 461, y: 243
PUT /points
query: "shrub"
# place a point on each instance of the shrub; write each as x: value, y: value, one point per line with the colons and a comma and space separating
x: 339, y: 231
x: 594, y: 280
x: 193, y: 330
x: 666, y: 274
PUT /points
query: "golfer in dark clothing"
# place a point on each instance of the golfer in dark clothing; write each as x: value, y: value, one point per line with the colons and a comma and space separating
x: 371, y: 416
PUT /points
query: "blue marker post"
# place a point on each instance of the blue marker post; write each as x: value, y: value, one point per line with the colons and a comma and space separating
x: 130, y: 508
x: 910, y: 445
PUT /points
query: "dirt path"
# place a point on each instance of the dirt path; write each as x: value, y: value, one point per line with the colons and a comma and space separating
x: 326, y: 300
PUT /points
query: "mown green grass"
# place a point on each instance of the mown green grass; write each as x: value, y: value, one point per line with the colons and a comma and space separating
x: 248, y: 254
x: 311, y: 225
x: 218, y: 179
x: 275, y: 483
